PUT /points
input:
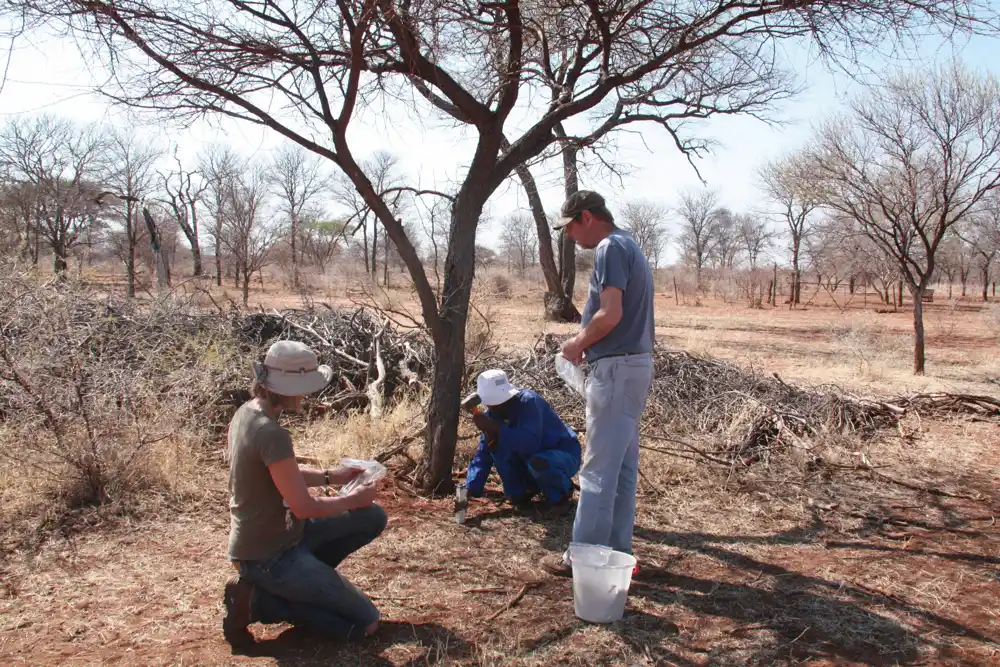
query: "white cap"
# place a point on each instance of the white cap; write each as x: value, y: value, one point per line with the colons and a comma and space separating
x: 494, y: 388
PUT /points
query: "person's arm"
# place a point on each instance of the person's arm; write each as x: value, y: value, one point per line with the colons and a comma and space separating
x: 605, y: 319
x: 611, y: 269
x: 292, y: 487
x: 479, y: 469
x: 338, y: 476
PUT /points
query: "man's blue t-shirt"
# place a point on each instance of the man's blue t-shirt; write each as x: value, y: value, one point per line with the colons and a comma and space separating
x: 619, y: 262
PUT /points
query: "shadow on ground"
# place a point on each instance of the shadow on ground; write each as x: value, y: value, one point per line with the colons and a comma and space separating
x: 297, y: 647
x: 809, y: 616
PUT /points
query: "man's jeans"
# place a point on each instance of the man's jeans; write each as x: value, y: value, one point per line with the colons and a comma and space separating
x: 301, y: 586
x: 617, y: 390
x: 549, y: 472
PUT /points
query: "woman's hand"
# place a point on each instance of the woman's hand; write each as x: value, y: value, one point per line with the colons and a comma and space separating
x: 363, y: 496
x: 344, y: 474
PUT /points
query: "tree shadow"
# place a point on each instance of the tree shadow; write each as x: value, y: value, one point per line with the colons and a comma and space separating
x: 799, y: 608
x: 298, y: 647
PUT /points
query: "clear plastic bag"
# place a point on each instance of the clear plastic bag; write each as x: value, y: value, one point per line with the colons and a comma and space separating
x: 571, y: 374
x: 373, y: 470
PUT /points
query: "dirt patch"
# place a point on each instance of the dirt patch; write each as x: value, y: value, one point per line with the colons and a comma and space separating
x: 848, y: 572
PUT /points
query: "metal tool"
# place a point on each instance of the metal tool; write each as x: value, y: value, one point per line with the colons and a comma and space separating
x: 461, y: 502
x: 473, y: 404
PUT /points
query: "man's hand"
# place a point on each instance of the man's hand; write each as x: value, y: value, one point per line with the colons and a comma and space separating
x: 344, y: 474
x: 488, y: 426
x: 572, y: 350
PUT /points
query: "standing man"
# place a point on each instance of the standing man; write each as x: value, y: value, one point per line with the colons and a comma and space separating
x: 616, y: 341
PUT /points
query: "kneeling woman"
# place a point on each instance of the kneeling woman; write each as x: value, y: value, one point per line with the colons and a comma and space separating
x: 285, y: 542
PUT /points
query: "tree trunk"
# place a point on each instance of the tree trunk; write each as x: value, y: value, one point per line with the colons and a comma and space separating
x: 918, y: 331
x: 246, y: 286
x: 59, y: 263
x: 558, y: 305
x: 295, y: 259
x: 434, y: 475
x: 364, y: 236
x: 385, y: 259
x: 218, y: 251
x: 374, y: 271
x: 130, y: 267
x: 796, y: 296
x: 986, y: 283
x: 196, y: 257
x: 567, y: 248
x: 900, y: 292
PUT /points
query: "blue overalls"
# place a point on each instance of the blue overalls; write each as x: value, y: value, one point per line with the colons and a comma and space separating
x: 535, y: 452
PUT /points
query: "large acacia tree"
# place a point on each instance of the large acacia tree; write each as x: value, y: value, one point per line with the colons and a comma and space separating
x: 591, y: 62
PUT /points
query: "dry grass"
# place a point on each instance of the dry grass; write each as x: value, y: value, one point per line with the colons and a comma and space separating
x: 838, y: 568
x: 356, y: 435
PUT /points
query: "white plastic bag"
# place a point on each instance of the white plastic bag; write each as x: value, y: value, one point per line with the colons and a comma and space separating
x: 571, y: 374
x: 373, y: 470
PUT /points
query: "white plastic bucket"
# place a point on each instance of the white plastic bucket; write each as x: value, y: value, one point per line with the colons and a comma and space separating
x: 601, y: 579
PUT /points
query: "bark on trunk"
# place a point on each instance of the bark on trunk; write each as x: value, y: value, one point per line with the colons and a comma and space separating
x: 986, y: 283
x: 196, y: 258
x: 558, y: 305
x: 796, y: 295
x: 59, y: 259
x: 246, y: 286
x: 435, y: 472
x: 918, y: 331
x: 218, y: 253
x: 295, y: 259
x: 567, y: 248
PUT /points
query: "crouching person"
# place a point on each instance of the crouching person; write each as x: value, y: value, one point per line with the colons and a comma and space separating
x: 285, y: 543
x: 533, y: 450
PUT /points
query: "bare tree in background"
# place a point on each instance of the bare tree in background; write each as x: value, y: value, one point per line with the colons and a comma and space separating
x: 218, y: 165
x: 518, y: 243
x: 20, y: 202
x: 725, y: 239
x: 132, y: 178
x: 65, y: 165
x: 786, y: 182
x: 183, y: 192
x: 646, y: 221
x: 298, y: 180
x: 754, y: 237
x: 911, y: 160
x: 247, y: 231
x: 698, y: 212
x: 321, y: 240
x: 982, y: 234
x: 633, y: 61
x: 436, y: 225
x: 383, y: 174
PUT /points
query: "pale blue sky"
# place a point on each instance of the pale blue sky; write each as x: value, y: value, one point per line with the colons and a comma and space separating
x: 46, y: 75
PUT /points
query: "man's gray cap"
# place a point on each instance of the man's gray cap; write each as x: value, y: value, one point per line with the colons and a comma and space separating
x: 577, y: 203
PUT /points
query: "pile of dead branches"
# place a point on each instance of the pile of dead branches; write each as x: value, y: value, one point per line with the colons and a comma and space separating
x: 748, y: 414
x: 90, y: 384
x: 374, y: 363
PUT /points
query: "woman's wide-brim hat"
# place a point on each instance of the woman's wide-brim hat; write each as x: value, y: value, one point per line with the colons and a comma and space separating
x: 291, y: 368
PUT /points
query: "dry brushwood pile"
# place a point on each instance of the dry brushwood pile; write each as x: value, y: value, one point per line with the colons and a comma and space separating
x: 374, y: 363
x: 747, y: 416
x: 90, y: 384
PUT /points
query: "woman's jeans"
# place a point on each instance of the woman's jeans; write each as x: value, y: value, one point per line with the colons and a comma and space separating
x: 301, y: 586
